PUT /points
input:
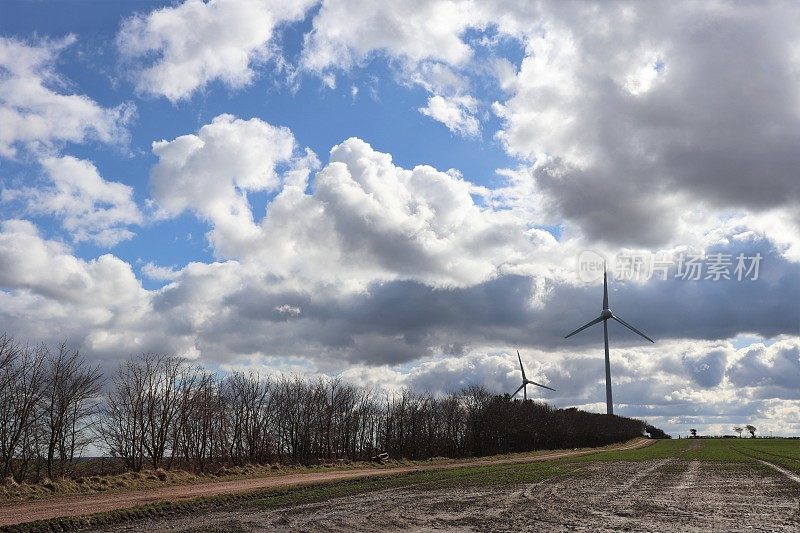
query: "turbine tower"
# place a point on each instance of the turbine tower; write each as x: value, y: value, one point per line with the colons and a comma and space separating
x: 605, y: 315
x: 526, y: 382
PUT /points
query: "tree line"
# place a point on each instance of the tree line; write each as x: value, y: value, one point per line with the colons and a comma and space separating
x: 158, y: 411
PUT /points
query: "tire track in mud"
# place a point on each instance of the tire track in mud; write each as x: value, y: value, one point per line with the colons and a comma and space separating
x: 621, y: 500
x: 605, y: 492
x: 671, y: 494
x: 638, y: 478
x: 689, y: 478
x: 791, y: 475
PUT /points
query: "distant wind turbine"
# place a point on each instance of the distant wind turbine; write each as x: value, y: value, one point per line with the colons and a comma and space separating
x: 526, y: 382
x: 604, y: 316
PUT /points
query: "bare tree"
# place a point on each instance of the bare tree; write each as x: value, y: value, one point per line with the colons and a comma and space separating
x: 123, y: 422
x: 171, y: 384
x: 250, y: 399
x: 22, y: 385
x: 68, y: 405
x: 198, y: 430
x: 738, y: 429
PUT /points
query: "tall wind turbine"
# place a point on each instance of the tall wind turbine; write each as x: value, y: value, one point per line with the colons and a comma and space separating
x: 526, y: 382
x: 605, y: 315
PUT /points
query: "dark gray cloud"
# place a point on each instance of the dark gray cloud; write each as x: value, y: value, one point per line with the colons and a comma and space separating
x: 401, y: 321
x: 708, y: 369
x: 770, y: 370
x: 683, y: 106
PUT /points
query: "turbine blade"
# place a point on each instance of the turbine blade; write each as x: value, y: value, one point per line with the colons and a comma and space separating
x: 592, y: 323
x: 517, y: 391
x: 605, y: 287
x: 633, y: 329
x: 542, y: 386
x: 520, y: 366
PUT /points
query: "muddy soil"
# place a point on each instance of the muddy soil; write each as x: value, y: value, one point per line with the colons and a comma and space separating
x: 664, y: 495
x: 16, y: 512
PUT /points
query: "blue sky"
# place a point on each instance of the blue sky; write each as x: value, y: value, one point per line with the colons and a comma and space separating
x: 383, y: 113
x: 283, y: 220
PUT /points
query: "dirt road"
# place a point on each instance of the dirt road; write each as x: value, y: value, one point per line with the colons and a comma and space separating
x: 657, y: 495
x: 20, y: 512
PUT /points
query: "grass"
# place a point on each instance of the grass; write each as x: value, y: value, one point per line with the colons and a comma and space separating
x: 48, y: 488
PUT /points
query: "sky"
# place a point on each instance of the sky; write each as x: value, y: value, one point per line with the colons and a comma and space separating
x: 403, y: 194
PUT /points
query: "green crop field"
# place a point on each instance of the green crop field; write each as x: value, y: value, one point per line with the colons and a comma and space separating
x: 780, y: 451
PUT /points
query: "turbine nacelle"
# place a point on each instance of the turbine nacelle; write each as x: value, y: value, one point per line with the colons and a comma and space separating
x: 529, y: 382
x: 606, y: 314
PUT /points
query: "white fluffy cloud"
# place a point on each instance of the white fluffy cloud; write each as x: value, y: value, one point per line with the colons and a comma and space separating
x: 345, y: 32
x: 48, y: 268
x: 377, y: 220
x: 212, y: 172
x: 52, y: 294
x: 372, y: 263
x: 239, y: 313
x: 100, y: 306
x: 369, y: 220
x: 36, y: 114
x: 180, y: 49
x: 89, y: 207
x: 364, y: 219
x: 455, y: 112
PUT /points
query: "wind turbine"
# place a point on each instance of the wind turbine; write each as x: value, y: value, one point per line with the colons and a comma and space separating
x: 526, y: 382
x: 605, y: 315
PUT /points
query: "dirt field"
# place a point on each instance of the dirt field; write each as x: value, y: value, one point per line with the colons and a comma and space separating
x: 12, y: 513
x: 667, y: 494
